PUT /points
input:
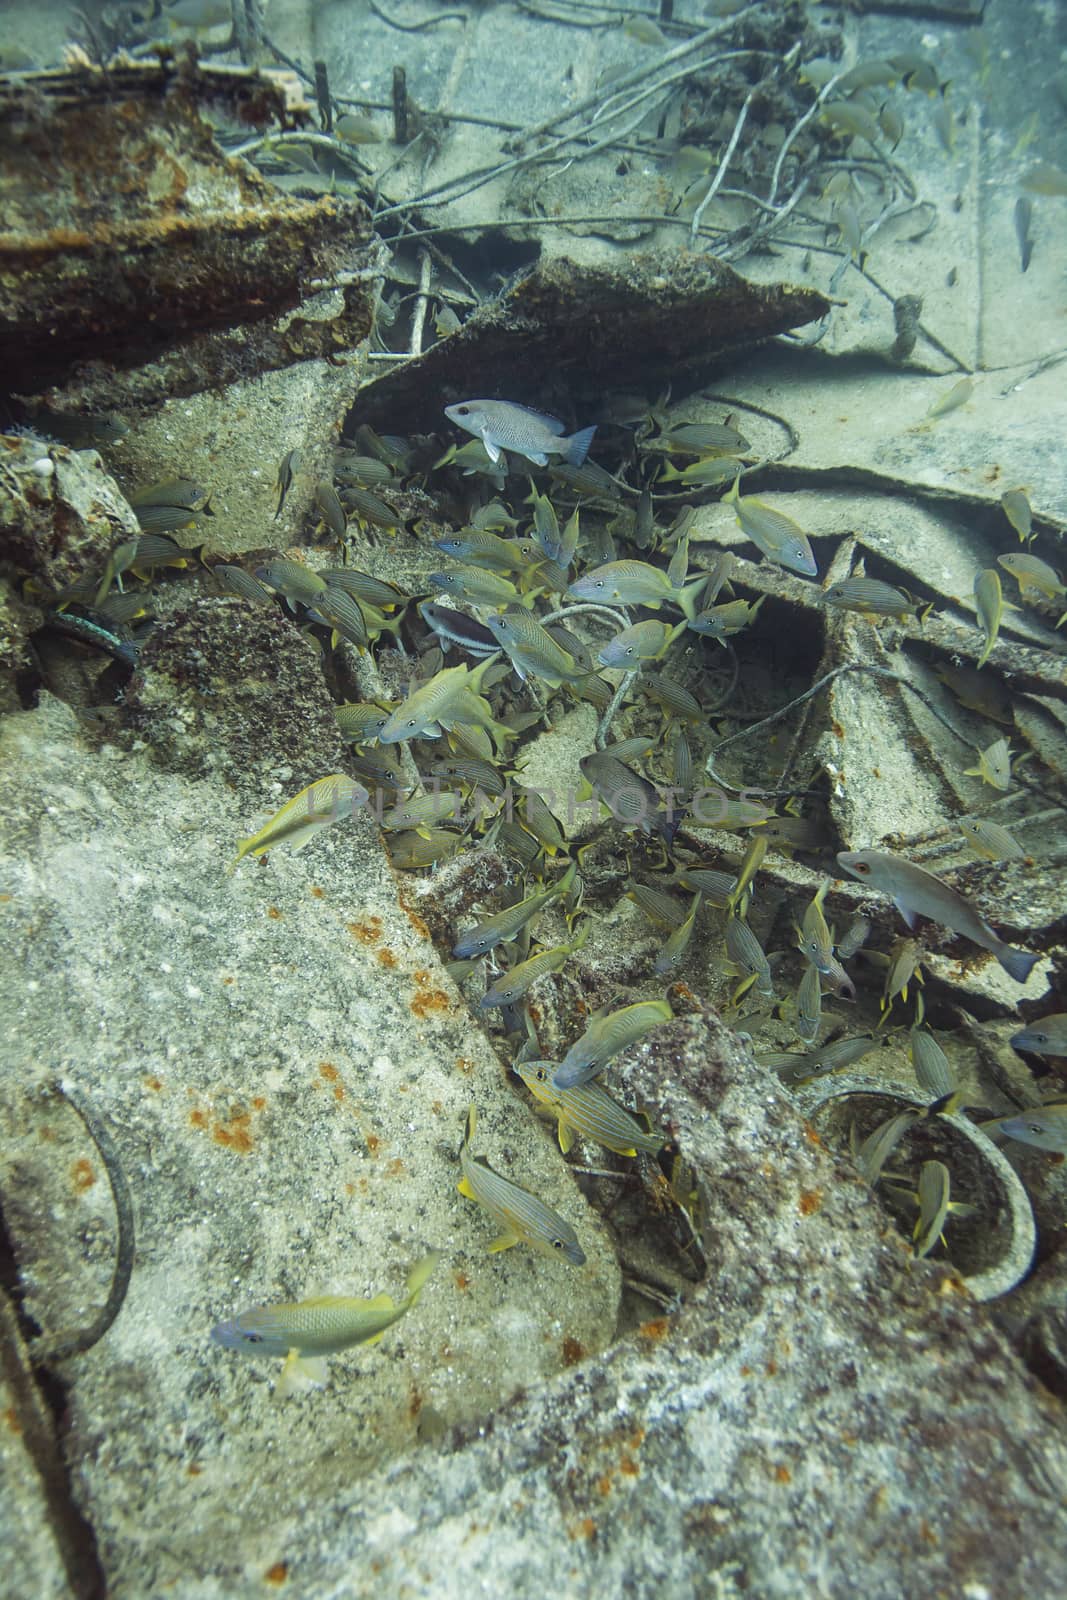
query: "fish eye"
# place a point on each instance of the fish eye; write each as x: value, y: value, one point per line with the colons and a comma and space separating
x: 861, y: 866
x: 464, y: 411
x: 557, y: 1244
x: 253, y: 1338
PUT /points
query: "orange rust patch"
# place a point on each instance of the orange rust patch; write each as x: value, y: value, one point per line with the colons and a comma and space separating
x: 386, y: 957
x: 350, y: 1188
x: 746, y: 1372
x: 153, y: 1083
x: 420, y: 975
x: 420, y: 926
x: 199, y: 1119
x: 233, y: 1133
x: 11, y: 1420
x: 927, y: 1533
x: 374, y: 1144
x: 658, y: 1328
x: 604, y: 1485
x: 82, y: 1175
x: 277, y: 1574
x: 573, y: 1351
x: 464, y: 1064
x: 782, y: 1474
x: 839, y: 731
x: 258, y: 1102
x: 328, y: 1070
x: 771, y: 1369
x: 427, y: 1001
x: 395, y: 1168
x: 338, y: 1092
x: 367, y: 932
x: 810, y: 1200
x: 229, y: 980
x: 461, y: 1280
x: 811, y: 1135
x: 274, y: 913
x: 319, y: 894
x: 628, y: 1466
x: 194, y: 1469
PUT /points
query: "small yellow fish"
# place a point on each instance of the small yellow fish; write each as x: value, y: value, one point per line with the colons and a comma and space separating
x: 955, y: 397
x: 989, y: 841
x: 1016, y: 508
x: 607, y: 1034
x: 523, y: 1217
x: 589, y: 1110
x: 994, y: 766
x: 307, y: 1331
x: 1030, y: 572
x: 300, y: 819
x: 989, y: 599
x: 777, y: 536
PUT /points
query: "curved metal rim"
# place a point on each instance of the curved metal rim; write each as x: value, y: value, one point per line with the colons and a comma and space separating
x: 1016, y: 1261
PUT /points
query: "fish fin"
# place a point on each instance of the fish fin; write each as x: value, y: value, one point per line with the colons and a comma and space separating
x: 465, y: 1189
x: 504, y: 1242
x: 381, y: 1302
x: 302, y: 836
x: 907, y: 913
x: 492, y: 449
x: 299, y: 1374
x: 566, y: 1135
x: 1018, y: 964
x: 578, y: 446
x: 539, y: 458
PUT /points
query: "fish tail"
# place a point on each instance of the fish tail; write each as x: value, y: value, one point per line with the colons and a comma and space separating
x: 420, y: 1274
x: 578, y: 446
x: 1018, y: 964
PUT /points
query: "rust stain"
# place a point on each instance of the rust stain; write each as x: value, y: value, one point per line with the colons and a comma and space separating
x: 810, y: 1201
x: 465, y: 1065
x: 234, y: 1133
x: 573, y: 1351
x: 319, y: 894
x: 811, y: 1136
x: 427, y: 1001
x: 274, y: 913
x: 658, y: 1328
x: 277, y: 1574
x: 153, y: 1083
x: 782, y: 1474
x: 395, y: 1168
x: 82, y: 1175
x: 417, y: 922
x: 367, y: 932
x: 461, y: 1280
x: 374, y: 1144
x: 194, y: 1469
x: 328, y: 1070
x: 386, y: 957
x: 11, y: 1420
x: 258, y: 1102
x: 199, y: 1119
x: 771, y: 1369
x: 628, y: 1466
x: 229, y: 980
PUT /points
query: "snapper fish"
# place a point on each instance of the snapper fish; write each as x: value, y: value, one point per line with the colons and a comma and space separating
x: 305, y: 1332
x: 504, y: 425
x: 916, y: 892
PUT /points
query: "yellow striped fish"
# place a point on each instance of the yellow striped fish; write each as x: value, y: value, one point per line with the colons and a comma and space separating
x: 300, y: 819
x: 588, y: 1110
x: 307, y: 1331
x: 523, y: 1218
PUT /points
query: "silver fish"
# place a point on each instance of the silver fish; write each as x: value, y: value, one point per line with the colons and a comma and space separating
x: 1045, y: 1127
x: 504, y: 425
x: 916, y: 892
x: 1046, y: 1036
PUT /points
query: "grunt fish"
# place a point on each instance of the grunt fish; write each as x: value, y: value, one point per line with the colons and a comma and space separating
x: 747, y: 954
x: 517, y: 981
x: 1016, y: 508
x: 872, y: 597
x: 673, y: 952
x: 916, y: 892
x: 809, y: 1004
x: 509, y: 923
x: 287, y: 471
x: 532, y: 650
x: 934, y: 1185
x: 774, y: 534
x: 994, y: 766
x: 989, y: 841
x: 634, y: 583
x: 297, y: 584
x: 523, y: 1218
x: 933, y: 1073
x: 989, y: 599
x: 607, y: 1034
x: 307, y: 1331
x: 643, y: 641
x: 589, y: 1110
x: 300, y: 819
x: 1030, y: 572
